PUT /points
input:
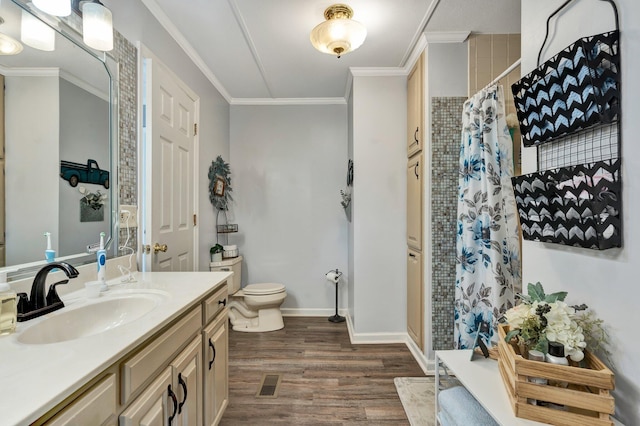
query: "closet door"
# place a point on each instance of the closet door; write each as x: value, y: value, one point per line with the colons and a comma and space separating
x: 414, y: 202
x: 415, y: 109
x: 415, y: 298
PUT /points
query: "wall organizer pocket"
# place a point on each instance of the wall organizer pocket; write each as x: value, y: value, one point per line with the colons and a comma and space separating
x: 569, y: 108
x: 576, y: 89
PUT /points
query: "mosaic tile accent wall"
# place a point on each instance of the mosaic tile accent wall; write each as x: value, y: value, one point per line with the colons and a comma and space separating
x: 126, y: 54
x: 446, y: 125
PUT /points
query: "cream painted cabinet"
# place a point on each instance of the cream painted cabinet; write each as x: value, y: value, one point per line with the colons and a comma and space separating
x: 415, y: 298
x: 96, y: 406
x: 187, y: 381
x: 155, y: 405
x: 415, y: 108
x: 414, y: 202
x: 216, y: 373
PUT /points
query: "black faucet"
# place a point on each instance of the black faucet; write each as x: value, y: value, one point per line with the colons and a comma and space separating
x: 38, y: 304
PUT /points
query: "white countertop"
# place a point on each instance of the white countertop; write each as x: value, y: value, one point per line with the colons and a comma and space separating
x: 34, y: 378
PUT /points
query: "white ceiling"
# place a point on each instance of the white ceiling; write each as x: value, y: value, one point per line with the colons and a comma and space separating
x: 259, y: 50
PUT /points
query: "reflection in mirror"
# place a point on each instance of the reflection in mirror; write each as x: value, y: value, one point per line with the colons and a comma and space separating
x: 57, y: 151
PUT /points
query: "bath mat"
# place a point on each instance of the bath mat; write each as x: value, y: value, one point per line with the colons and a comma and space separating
x: 418, y: 399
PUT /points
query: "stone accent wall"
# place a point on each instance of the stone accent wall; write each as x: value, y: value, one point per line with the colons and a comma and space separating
x: 446, y: 127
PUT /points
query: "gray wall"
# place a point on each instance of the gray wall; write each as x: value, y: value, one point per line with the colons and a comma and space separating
x: 84, y: 134
x: 288, y: 165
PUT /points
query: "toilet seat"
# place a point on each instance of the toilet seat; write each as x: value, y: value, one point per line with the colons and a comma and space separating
x: 262, y: 289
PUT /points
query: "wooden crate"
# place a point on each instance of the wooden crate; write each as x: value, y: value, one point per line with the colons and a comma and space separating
x: 587, y: 399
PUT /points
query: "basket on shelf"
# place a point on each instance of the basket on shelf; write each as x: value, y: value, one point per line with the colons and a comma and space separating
x: 586, y: 400
x: 227, y: 228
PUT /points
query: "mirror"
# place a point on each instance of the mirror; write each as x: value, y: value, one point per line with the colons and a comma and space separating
x: 57, y: 144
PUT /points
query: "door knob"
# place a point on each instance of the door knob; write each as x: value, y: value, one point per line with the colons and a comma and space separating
x: 159, y: 247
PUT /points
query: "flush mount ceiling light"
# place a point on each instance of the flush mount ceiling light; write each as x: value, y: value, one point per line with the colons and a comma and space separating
x: 97, y: 26
x: 339, y: 34
x: 8, y: 45
x: 37, y: 34
x: 54, y: 7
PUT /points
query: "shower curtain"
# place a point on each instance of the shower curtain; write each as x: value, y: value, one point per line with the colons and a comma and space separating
x: 488, y: 258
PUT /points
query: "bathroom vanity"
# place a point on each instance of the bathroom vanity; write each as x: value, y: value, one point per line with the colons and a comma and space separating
x: 151, y: 351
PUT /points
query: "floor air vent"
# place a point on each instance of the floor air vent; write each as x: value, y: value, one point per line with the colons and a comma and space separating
x: 269, y: 386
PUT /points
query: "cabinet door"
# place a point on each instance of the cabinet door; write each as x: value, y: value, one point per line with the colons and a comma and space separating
x: 216, y: 390
x: 187, y: 380
x: 414, y: 202
x: 415, y: 95
x: 97, y: 406
x: 154, y: 406
x: 415, y: 298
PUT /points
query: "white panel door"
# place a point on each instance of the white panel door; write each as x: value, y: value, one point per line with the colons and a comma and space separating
x: 170, y: 151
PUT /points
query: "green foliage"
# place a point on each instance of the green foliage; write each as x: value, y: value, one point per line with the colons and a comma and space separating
x: 216, y: 249
x: 220, y: 169
x: 536, y: 294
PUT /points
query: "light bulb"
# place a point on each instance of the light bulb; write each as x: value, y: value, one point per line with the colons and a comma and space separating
x: 97, y: 26
x: 54, y: 7
x: 37, y: 34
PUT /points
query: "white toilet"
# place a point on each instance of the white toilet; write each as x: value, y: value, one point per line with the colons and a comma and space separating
x: 255, y: 308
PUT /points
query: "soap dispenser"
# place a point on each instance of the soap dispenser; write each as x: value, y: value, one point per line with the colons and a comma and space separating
x: 8, y: 306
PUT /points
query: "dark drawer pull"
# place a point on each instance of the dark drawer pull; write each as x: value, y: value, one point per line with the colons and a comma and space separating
x: 212, y: 346
x: 222, y: 302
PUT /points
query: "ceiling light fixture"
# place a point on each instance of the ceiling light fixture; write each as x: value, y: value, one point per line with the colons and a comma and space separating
x: 54, y: 7
x: 97, y: 26
x: 37, y: 34
x: 339, y: 34
x: 9, y: 45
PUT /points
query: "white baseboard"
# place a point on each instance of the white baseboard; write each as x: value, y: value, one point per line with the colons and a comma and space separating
x: 427, y: 365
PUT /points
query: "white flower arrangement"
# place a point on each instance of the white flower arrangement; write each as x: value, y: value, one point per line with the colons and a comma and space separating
x: 541, y: 319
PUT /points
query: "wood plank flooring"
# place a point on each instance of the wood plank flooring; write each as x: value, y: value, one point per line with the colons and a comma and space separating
x: 325, y: 379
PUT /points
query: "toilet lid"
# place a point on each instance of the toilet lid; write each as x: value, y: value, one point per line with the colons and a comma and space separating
x: 263, y: 288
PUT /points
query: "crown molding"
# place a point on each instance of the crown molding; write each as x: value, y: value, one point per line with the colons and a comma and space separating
x: 84, y: 86
x: 288, y: 101
x: 418, y: 48
x: 419, y: 34
x: 173, y: 31
x: 447, y: 36
x: 30, y: 72
x: 376, y: 71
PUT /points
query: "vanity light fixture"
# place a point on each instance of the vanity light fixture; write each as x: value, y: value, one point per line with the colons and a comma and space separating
x: 54, y: 7
x: 97, y: 26
x: 339, y: 34
x: 37, y: 34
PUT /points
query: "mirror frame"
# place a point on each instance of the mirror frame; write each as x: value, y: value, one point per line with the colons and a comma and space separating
x: 65, y: 28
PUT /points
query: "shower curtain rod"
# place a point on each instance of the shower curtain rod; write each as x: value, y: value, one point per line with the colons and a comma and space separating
x: 504, y: 73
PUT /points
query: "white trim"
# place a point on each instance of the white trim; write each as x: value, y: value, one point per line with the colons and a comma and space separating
x: 427, y: 365
x: 416, y: 37
x: 373, y: 338
x: 348, y: 87
x: 377, y: 71
x: 250, y: 43
x: 84, y: 85
x: 173, y: 31
x: 311, y: 312
x: 30, y: 72
x: 419, y: 47
x: 288, y: 101
x: 447, y: 36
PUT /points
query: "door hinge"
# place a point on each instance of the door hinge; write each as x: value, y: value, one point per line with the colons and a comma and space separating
x: 195, y: 129
x: 195, y: 219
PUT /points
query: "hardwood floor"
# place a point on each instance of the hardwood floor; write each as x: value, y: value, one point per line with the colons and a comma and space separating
x: 325, y: 379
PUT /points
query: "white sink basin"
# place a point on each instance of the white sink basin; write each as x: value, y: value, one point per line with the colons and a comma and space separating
x: 93, y: 317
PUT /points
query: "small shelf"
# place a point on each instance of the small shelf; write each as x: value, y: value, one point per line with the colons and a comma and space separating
x: 227, y: 228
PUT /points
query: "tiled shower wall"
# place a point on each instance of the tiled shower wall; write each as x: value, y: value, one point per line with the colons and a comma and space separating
x: 126, y: 55
x: 446, y: 126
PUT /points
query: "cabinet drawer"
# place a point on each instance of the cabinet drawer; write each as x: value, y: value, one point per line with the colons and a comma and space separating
x: 139, y: 368
x: 94, y: 407
x: 215, y: 304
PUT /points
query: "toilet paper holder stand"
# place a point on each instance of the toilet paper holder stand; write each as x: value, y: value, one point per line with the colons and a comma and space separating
x: 334, y: 277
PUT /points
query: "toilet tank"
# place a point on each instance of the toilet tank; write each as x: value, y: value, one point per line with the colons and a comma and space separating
x: 234, y: 265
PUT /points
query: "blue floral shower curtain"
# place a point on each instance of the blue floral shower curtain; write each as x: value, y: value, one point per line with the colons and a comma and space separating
x: 488, y: 258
